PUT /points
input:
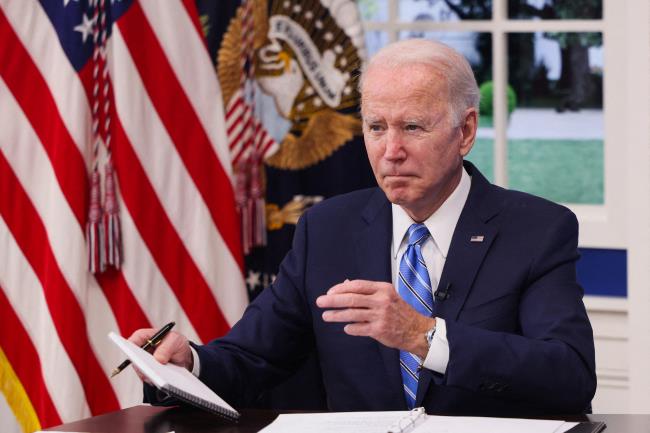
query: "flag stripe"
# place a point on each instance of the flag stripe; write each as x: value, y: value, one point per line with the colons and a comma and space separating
x: 163, y: 242
x: 23, y: 359
x: 148, y: 284
x: 270, y: 147
x: 189, y: 59
x: 100, y: 320
x: 242, y: 135
x: 126, y: 308
x: 25, y: 294
x: 235, y: 129
x: 237, y: 108
x: 15, y: 69
x: 174, y: 188
x: 180, y: 119
x: 30, y: 234
x: 193, y: 12
x: 239, y: 128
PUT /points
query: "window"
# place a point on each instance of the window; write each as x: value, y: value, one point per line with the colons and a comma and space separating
x: 544, y: 125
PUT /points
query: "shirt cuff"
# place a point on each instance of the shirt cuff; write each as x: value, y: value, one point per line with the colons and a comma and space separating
x: 438, y: 355
x: 196, y: 364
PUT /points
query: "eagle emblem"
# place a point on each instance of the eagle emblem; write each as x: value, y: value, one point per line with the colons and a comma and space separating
x: 306, y: 61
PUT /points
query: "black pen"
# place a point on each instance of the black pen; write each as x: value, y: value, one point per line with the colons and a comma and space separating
x: 152, y: 342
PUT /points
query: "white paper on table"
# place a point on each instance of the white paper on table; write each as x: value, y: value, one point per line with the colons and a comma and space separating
x: 335, y: 422
x: 380, y: 422
x: 463, y: 424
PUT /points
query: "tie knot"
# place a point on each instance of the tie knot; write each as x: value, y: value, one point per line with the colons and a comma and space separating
x: 418, y: 233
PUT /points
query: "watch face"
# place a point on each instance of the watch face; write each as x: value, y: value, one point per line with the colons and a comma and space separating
x: 429, y: 335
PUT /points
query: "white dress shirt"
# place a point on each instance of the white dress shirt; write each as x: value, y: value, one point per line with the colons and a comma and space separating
x: 441, y: 225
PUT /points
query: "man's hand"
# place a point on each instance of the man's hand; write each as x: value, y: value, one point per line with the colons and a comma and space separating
x: 173, y: 348
x: 375, y: 309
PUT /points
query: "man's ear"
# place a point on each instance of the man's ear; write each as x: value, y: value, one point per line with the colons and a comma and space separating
x: 468, y: 128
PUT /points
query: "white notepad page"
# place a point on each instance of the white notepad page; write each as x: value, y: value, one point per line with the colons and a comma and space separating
x: 162, y: 375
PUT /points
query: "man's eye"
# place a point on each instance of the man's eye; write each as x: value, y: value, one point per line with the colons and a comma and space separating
x: 374, y: 128
x: 412, y: 127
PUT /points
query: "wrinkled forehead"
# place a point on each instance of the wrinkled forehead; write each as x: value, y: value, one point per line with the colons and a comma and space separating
x: 414, y: 84
x: 422, y: 72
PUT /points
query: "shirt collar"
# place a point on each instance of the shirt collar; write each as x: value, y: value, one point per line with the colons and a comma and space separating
x: 441, y: 223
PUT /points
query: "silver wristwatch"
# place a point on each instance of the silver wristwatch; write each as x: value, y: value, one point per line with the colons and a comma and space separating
x: 429, y: 335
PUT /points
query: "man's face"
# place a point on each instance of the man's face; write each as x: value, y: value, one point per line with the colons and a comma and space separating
x: 414, y: 149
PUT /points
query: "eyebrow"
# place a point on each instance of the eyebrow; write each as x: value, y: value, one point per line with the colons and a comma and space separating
x: 416, y: 120
x: 371, y: 119
x: 431, y: 119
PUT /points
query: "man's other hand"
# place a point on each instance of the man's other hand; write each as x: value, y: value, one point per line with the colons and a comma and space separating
x: 375, y: 309
x: 173, y: 348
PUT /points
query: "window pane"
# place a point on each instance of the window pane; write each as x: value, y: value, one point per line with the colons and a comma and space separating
x: 444, y: 10
x: 477, y: 48
x: 374, y: 41
x: 556, y: 9
x: 555, y: 129
x: 373, y: 10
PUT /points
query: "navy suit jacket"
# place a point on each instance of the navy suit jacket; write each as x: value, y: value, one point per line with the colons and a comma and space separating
x: 519, y: 337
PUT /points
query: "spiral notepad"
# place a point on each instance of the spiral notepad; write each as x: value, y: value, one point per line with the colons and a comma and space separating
x: 175, y: 380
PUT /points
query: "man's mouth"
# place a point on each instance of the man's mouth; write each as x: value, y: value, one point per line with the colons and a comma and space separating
x: 398, y: 175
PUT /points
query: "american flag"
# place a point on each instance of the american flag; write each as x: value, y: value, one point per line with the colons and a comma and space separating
x: 181, y: 250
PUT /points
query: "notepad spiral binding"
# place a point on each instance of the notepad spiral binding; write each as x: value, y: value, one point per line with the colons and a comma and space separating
x: 409, y: 422
x: 197, y: 401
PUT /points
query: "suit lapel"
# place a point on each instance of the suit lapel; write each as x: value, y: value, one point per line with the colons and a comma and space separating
x: 373, y: 263
x: 470, y: 243
x: 373, y: 242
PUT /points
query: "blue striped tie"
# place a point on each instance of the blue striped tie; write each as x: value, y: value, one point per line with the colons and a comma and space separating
x: 414, y: 285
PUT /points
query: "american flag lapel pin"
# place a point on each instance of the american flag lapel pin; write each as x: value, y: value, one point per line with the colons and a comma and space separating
x: 477, y: 238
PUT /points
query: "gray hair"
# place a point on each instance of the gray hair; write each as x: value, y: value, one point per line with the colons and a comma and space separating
x: 462, y: 89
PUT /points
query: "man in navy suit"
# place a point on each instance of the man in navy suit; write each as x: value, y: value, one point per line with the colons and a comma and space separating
x: 500, y: 328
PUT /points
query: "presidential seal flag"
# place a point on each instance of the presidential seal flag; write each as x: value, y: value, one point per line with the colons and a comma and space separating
x: 288, y: 70
x: 114, y: 156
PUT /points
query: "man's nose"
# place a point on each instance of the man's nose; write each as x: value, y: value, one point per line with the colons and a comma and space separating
x: 394, y: 146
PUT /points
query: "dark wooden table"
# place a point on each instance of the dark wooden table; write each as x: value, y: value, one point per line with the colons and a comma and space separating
x: 149, y: 419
